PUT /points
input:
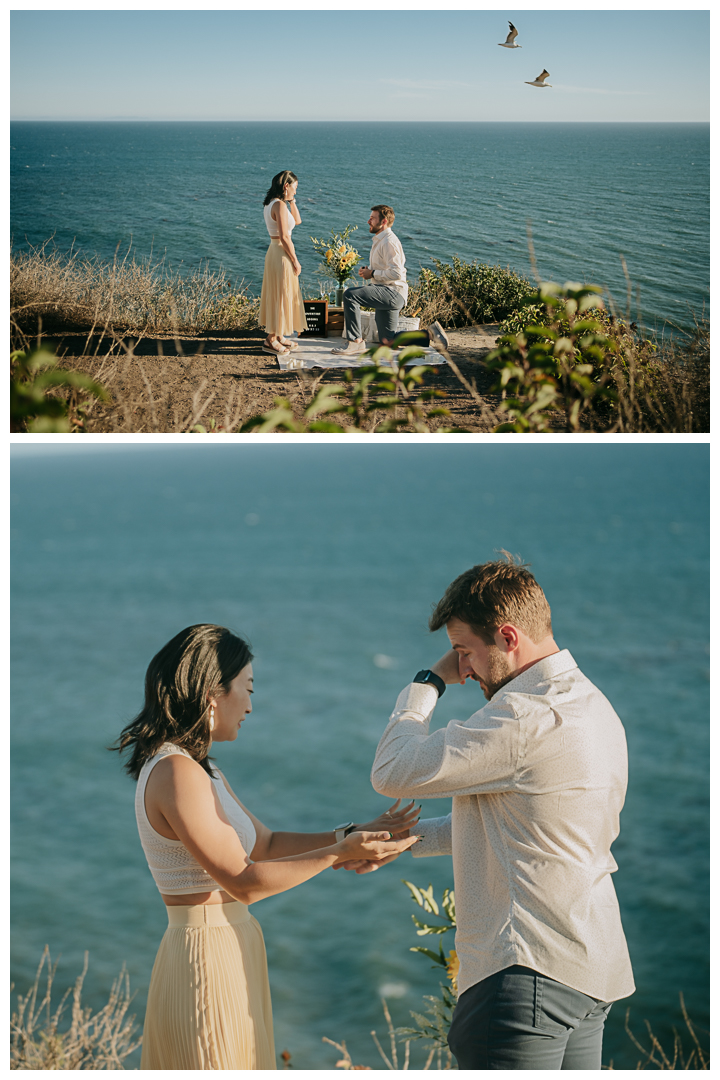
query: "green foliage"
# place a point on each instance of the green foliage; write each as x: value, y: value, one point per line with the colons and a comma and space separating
x: 472, y: 292
x: 528, y: 314
x: 556, y: 366
x: 381, y: 388
x: 33, y: 408
x: 433, y: 1025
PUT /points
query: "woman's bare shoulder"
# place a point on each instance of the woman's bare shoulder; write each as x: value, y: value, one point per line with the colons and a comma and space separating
x: 177, y: 768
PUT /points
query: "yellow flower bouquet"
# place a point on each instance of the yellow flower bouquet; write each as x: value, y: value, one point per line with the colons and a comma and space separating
x: 338, y: 257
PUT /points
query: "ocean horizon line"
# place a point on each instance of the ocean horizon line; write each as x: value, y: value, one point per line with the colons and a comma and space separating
x: 221, y: 120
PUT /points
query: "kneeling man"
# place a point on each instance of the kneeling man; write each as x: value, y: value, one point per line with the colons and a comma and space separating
x: 537, y: 778
x: 386, y: 288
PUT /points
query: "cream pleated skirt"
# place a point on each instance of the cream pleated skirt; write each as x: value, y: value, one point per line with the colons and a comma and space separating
x: 281, y: 305
x: 209, y: 999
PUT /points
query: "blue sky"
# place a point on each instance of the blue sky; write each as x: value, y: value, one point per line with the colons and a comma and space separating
x: 359, y: 65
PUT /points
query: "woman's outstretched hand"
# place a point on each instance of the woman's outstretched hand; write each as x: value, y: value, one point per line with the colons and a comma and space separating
x: 373, y: 847
x: 397, y: 820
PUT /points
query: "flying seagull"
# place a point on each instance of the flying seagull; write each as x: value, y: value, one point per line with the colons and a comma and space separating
x: 509, y: 42
x: 540, y: 81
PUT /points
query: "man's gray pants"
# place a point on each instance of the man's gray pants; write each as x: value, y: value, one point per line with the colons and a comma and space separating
x: 386, y: 300
x: 520, y: 1019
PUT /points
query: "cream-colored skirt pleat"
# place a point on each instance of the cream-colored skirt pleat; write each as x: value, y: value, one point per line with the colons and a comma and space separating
x: 281, y: 305
x: 209, y: 999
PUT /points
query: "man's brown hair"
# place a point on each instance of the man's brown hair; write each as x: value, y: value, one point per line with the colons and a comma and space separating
x: 386, y: 213
x: 491, y: 594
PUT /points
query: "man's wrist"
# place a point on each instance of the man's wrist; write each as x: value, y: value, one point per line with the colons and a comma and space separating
x: 430, y: 678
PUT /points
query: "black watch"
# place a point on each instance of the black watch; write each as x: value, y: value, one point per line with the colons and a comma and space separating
x: 433, y: 679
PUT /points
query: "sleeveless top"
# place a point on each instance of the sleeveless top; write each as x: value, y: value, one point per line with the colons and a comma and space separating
x: 272, y: 226
x: 172, y: 866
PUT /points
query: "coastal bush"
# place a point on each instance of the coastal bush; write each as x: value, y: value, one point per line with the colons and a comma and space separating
x: 91, y: 1041
x: 564, y: 360
x: 466, y: 293
x: 34, y: 404
x: 80, y: 290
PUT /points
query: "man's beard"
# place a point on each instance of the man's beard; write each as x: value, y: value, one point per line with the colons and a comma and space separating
x: 498, y: 672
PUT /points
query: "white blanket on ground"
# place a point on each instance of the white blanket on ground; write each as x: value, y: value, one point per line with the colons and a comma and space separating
x: 317, y: 353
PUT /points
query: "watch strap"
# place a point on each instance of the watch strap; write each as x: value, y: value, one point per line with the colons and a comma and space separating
x: 429, y: 677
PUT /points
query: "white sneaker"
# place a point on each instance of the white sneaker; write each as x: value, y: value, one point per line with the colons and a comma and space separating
x: 353, y: 348
x: 438, y: 338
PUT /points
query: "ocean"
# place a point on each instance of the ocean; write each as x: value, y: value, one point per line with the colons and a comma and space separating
x: 191, y: 193
x: 330, y: 564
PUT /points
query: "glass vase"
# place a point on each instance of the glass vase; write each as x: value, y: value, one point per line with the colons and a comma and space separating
x: 339, y: 290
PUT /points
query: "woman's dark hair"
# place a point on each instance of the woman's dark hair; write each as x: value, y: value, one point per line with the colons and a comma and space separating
x: 199, y: 661
x: 277, y: 188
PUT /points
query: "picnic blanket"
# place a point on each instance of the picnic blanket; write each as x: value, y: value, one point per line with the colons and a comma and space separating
x: 317, y: 353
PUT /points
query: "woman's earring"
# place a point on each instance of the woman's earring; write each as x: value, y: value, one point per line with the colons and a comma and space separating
x: 212, y: 717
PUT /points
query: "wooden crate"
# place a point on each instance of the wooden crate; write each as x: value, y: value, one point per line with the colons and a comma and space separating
x: 335, y: 321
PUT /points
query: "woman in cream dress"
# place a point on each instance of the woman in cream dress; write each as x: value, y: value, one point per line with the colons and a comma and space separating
x: 209, y: 999
x: 281, y: 306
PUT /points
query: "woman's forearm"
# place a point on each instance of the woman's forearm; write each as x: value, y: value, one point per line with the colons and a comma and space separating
x: 292, y: 207
x: 289, y: 248
x: 284, y: 844
x: 268, y: 878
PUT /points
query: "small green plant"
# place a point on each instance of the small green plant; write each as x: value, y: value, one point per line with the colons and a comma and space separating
x: 554, y: 366
x: 384, y: 387
x: 433, y: 1025
x: 33, y: 408
x: 92, y: 1041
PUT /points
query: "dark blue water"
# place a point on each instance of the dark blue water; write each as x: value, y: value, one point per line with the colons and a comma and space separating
x: 331, y: 564
x: 193, y: 192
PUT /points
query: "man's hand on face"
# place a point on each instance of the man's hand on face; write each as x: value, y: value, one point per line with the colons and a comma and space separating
x: 448, y: 668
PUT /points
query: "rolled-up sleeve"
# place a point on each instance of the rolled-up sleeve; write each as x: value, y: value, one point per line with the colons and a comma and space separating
x: 465, y: 758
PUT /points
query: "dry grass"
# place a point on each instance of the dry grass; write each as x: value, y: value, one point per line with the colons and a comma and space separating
x: 668, y: 391
x: 75, y: 289
x: 655, y: 1057
x: 661, y: 387
x: 439, y: 1057
x: 99, y: 1041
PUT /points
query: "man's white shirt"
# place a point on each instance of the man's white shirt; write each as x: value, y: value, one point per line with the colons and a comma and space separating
x: 538, y: 778
x: 387, y: 260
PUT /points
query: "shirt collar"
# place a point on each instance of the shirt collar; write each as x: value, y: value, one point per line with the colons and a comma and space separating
x: 544, y: 670
x: 380, y: 235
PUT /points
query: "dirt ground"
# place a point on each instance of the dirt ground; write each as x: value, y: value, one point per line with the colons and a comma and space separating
x: 166, y: 384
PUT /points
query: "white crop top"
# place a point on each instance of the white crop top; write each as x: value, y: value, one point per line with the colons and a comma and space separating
x: 172, y: 866
x: 272, y: 225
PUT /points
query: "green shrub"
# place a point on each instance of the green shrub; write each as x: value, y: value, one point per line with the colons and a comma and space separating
x: 33, y: 406
x: 467, y: 293
x: 562, y: 357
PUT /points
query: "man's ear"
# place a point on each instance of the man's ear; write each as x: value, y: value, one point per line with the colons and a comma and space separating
x: 509, y: 638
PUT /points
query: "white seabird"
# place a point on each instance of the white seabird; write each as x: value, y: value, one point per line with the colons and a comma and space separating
x: 509, y: 42
x: 540, y: 81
